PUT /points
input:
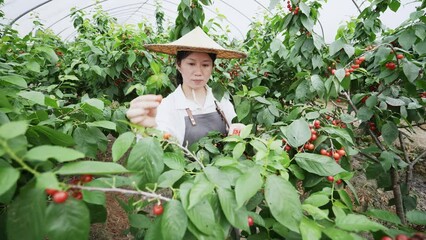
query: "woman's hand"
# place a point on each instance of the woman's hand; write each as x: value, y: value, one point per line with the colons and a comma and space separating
x: 235, y: 129
x: 143, y: 110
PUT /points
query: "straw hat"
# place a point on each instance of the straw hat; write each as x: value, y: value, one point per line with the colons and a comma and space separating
x: 195, y: 41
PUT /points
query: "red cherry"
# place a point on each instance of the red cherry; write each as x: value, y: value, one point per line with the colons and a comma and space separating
x: 336, y: 156
x: 357, y: 61
x: 313, y: 137
x: 362, y: 59
x: 50, y: 191
x: 399, y: 56
x: 313, y: 131
x: 401, y: 237
x: 339, y: 181
x: 287, y: 148
x: 330, y: 178
x: 86, y: 178
x: 158, y: 209
x: 311, y: 146
x: 250, y: 221
x: 166, y: 136
x: 77, y: 195
x: 323, y: 152
x: 341, y: 152
x: 60, y: 197
x: 386, y: 238
x: 317, y: 124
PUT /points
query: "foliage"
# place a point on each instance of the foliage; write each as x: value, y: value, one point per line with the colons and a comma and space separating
x: 286, y: 175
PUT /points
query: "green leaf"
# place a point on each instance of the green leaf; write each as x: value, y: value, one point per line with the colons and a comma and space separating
x: 91, y: 167
x: 54, y: 136
x: 318, y: 85
x: 217, y: 177
x: 243, y: 109
x: 283, y: 201
x: 47, y: 180
x: 419, y: 48
x: 33, y: 66
x: 26, y: 215
x: 167, y: 179
x: 103, y: 124
x: 364, y: 113
x: 8, y: 178
x: 202, y: 187
x: 61, y: 154
x: 49, y: 53
x: 95, y: 197
x: 346, y: 118
x: 238, y: 150
x: 309, y: 229
x: 156, y: 68
x: 236, y: 216
x: 67, y: 221
x: 96, y: 103
x: 33, y: 96
x: 407, y: 38
x: 297, y: 133
x: 317, y: 199
x: 389, y: 132
x: 344, y: 197
x: 383, y: 215
x: 139, y: 221
x: 15, y: 80
x: 340, y: 74
x: 247, y: 185
x: 336, y: 46
x: 410, y: 70
x: 318, y: 164
x: 349, y: 49
x: 316, y: 213
x: 131, y: 58
x: 174, y: 221
x: 358, y: 223
x: 304, y: 8
x: 416, y: 217
x: 394, y: 5
x: 147, y: 157
x: 13, y: 129
x: 201, y: 215
x: 394, y: 102
x: 121, y: 145
x: 174, y: 160
x: 337, y: 234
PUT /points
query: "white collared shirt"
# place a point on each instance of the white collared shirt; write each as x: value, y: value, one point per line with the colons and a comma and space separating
x: 171, y: 112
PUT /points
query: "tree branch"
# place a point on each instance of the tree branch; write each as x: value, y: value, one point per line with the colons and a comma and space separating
x: 145, y: 195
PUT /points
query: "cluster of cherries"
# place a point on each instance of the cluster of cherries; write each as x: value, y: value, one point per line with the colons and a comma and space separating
x: 392, y: 65
x: 59, y: 196
x: 416, y: 236
x: 290, y: 8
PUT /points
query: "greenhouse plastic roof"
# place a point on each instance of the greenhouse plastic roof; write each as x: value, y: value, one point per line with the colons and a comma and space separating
x: 55, y: 14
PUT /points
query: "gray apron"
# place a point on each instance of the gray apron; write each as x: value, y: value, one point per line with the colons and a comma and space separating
x: 198, y: 126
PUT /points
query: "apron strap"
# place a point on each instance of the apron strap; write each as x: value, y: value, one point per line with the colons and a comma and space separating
x: 191, y: 117
x: 222, y: 114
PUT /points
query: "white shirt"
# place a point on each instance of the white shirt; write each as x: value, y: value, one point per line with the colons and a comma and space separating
x: 171, y: 112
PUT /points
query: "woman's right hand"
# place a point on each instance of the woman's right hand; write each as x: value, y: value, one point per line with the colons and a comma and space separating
x: 143, y: 110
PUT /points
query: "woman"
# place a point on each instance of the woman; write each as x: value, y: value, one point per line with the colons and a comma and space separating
x: 191, y: 111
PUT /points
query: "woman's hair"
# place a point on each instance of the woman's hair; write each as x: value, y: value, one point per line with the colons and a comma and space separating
x: 182, y: 55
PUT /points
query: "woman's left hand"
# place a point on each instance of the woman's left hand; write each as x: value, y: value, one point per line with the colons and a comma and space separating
x: 235, y: 129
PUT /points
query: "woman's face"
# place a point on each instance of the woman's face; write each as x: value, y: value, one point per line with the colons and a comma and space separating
x: 196, y: 70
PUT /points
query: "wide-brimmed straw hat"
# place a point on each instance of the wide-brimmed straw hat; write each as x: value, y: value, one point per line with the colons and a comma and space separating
x: 195, y: 41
